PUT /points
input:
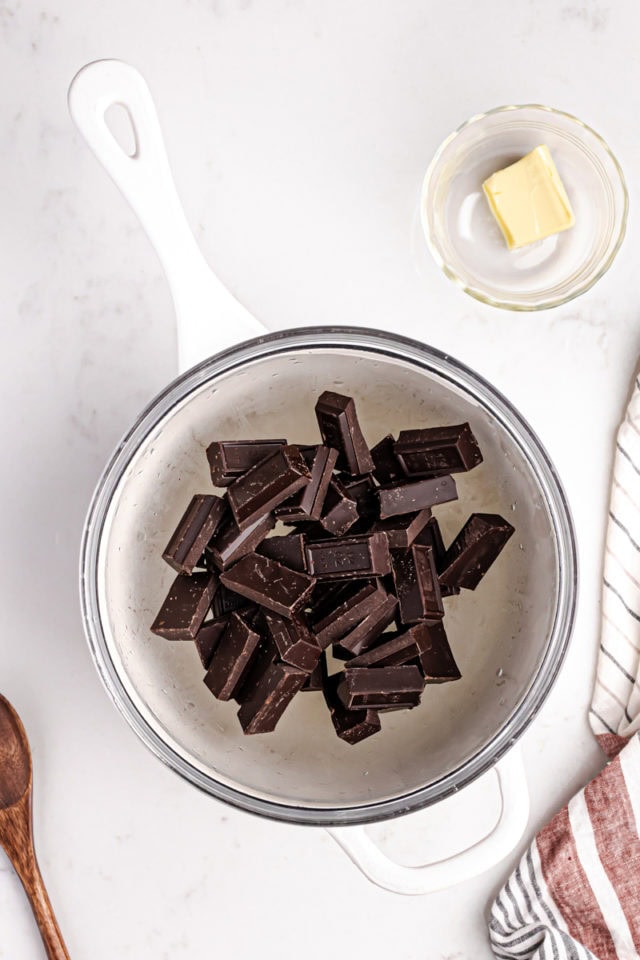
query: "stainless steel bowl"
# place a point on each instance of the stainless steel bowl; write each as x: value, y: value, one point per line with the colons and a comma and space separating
x: 509, y: 636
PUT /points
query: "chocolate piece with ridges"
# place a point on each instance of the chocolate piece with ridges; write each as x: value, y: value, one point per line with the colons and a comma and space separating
x: 308, y: 503
x: 380, y: 687
x: 208, y: 637
x: 185, y: 606
x: 474, y: 550
x: 199, y: 522
x: 416, y: 581
x: 367, y: 631
x: 229, y: 459
x: 261, y: 710
x: 403, y: 530
x: 288, y: 550
x: 353, y: 558
x: 435, y: 658
x: 296, y: 645
x: 231, y: 661
x: 232, y: 543
x: 316, y: 679
x: 415, y: 495
x: 340, y: 429
x: 226, y: 601
x: 340, y: 511
x: 351, y: 726
x: 269, y: 584
x: 387, y: 467
x: 393, y: 649
x: 267, y: 485
x: 344, y: 608
x: 437, y: 451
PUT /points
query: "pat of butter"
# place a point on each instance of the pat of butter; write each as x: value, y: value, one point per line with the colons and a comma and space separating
x: 528, y: 199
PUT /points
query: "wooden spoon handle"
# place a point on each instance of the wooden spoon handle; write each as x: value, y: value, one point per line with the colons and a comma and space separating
x: 17, y: 840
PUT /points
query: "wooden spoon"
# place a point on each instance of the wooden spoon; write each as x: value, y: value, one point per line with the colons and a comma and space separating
x: 16, y: 825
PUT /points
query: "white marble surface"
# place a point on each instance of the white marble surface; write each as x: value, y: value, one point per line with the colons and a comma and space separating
x: 298, y: 134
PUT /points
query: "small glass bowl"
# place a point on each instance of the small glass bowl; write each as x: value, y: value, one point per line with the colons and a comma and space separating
x: 464, y: 237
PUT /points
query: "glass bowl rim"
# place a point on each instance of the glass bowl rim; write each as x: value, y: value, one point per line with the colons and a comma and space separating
x: 476, y: 292
x: 390, y: 345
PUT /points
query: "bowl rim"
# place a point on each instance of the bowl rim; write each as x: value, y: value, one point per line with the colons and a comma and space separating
x: 384, y: 344
x: 477, y: 292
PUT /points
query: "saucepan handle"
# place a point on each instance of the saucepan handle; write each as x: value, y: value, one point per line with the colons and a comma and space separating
x: 488, y: 851
x: 209, y: 317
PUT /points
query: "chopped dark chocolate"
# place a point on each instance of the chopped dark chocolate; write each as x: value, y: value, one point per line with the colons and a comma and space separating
x: 392, y: 649
x: 269, y: 584
x: 431, y: 536
x: 362, y: 491
x: 226, y: 601
x: 416, y: 582
x: 368, y: 630
x: 308, y: 503
x: 316, y: 679
x: 357, y: 557
x: 350, y: 725
x: 208, y: 637
x: 437, y: 451
x: 387, y: 467
x: 185, y: 606
x: 474, y: 550
x: 380, y: 687
x: 401, y: 531
x: 340, y: 511
x: 199, y: 522
x: 343, y: 608
x: 415, y: 495
x: 269, y: 483
x: 231, y: 660
x: 263, y: 704
x: 296, y: 645
x: 340, y: 429
x: 231, y: 543
x: 288, y: 550
x: 229, y: 459
x: 435, y: 658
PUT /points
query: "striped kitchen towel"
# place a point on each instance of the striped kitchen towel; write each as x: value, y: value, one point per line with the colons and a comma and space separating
x: 576, y: 893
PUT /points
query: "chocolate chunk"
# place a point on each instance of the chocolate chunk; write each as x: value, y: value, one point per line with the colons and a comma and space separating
x: 401, y: 531
x: 387, y: 467
x: 362, y: 491
x: 316, y: 679
x: 415, y: 495
x: 431, y: 536
x: 344, y: 607
x: 226, y: 601
x: 437, y: 451
x: 435, y: 658
x: 263, y: 705
x: 268, y: 484
x: 350, y: 725
x: 296, y: 645
x: 230, y: 662
x: 231, y: 458
x: 308, y: 503
x: 380, y: 687
x: 208, y: 637
x: 393, y: 649
x: 288, y: 550
x: 368, y: 630
x: 349, y: 557
x: 231, y: 543
x: 340, y: 429
x: 416, y: 581
x: 340, y: 512
x: 185, y: 606
x: 474, y: 550
x: 269, y: 584
x: 199, y: 522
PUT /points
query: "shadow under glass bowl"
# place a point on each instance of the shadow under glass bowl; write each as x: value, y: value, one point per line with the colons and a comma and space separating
x: 509, y: 636
x: 465, y: 239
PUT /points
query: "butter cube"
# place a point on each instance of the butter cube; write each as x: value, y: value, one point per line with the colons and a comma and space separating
x: 528, y: 199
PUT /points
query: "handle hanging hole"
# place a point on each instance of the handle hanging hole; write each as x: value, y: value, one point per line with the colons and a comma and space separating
x: 120, y: 124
